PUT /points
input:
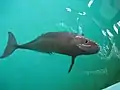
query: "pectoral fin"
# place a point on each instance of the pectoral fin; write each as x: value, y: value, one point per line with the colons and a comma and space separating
x: 72, y: 63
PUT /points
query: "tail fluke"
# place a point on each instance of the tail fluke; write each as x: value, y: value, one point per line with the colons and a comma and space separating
x: 11, y: 45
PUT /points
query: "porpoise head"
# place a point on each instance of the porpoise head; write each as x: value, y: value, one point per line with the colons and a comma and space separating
x: 86, y: 45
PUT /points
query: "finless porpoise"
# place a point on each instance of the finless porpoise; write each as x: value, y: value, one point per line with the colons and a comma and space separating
x: 66, y: 43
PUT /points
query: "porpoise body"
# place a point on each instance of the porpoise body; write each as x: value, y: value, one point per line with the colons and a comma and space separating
x: 66, y: 43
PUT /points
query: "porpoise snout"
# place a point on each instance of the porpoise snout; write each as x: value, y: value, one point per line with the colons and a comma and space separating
x: 95, y: 48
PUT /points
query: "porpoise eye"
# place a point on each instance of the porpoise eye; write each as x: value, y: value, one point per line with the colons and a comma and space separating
x: 86, y: 41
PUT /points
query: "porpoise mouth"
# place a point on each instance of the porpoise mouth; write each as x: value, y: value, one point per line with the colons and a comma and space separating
x: 89, y: 49
x: 79, y: 45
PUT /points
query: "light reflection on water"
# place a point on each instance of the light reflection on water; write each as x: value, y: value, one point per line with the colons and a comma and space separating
x: 108, y: 47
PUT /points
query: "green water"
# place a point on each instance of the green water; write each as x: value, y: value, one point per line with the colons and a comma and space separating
x: 29, y: 70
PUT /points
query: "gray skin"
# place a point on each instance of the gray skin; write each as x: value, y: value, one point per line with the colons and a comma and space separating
x: 66, y: 43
